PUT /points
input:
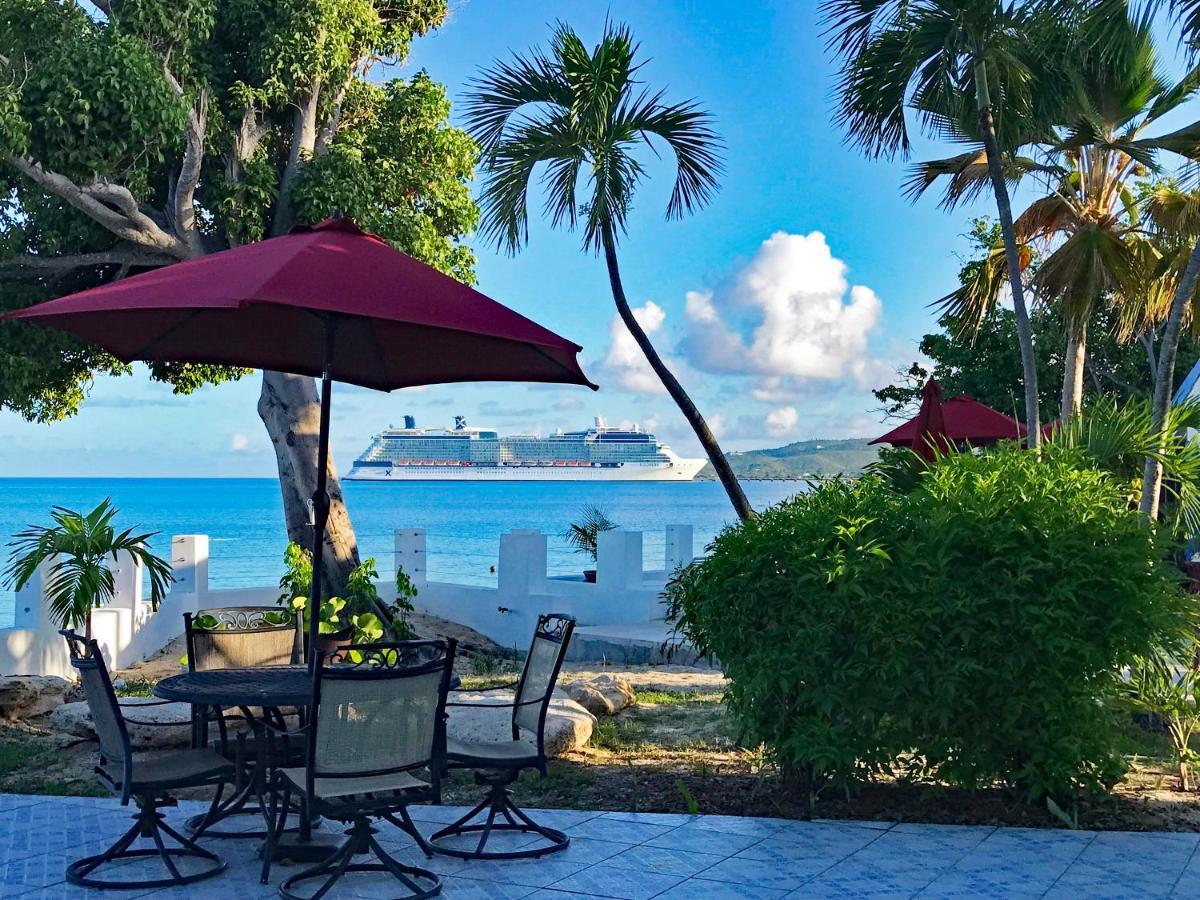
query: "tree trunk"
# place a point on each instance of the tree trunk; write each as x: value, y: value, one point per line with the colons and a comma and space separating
x: 1163, y: 383
x: 704, y: 434
x: 1073, y: 368
x: 1012, y: 256
x: 291, y: 412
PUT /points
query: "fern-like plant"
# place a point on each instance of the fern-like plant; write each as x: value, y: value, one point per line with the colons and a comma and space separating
x: 80, y: 545
x: 584, y: 535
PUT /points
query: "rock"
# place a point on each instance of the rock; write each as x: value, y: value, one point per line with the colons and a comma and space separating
x: 173, y: 728
x: 603, y: 695
x: 27, y: 696
x: 568, y: 725
x: 119, y: 684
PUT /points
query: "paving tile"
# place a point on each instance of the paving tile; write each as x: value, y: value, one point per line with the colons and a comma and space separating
x: 666, y: 861
x: 442, y: 815
x: 607, y: 880
x: 785, y: 875
x: 459, y: 888
x: 561, y: 819
x: 704, y: 840
x: 741, y: 825
x: 831, y: 842
x: 894, y: 876
x: 699, y: 889
x: 1097, y: 886
x: 965, y: 886
x: 877, y: 825
x: 533, y: 873
x: 670, y: 820
x: 624, y: 832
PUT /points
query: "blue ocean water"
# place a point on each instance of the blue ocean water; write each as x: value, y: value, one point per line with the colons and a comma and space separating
x: 464, y: 521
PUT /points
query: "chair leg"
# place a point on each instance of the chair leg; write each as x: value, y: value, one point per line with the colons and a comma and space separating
x: 406, y: 824
x: 361, y: 840
x: 275, y: 825
x: 499, y: 803
x: 148, y: 823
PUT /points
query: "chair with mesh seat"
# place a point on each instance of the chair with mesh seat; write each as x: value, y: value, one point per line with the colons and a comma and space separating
x: 146, y: 782
x: 375, y: 744
x: 498, y: 764
x: 238, y: 638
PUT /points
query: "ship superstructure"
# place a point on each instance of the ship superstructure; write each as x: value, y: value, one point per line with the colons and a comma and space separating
x: 466, y: 453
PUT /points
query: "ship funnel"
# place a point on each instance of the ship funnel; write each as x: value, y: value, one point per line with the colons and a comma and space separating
x: 460, y: 422
x: 600, y: 421
x: 410, y: 422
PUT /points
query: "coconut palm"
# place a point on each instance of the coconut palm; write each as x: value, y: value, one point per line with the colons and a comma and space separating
x: 578, y: 116
x: 1088, y: 218
x: 78, y: 545
x: 967, y: 70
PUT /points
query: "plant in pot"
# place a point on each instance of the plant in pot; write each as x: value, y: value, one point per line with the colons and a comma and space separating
x: 80, y: 546
x: 584, y: 535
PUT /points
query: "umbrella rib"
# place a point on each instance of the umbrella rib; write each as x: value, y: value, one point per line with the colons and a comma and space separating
x: 171, y: 329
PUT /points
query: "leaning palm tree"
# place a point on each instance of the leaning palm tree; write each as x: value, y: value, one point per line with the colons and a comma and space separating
x: 1088, y: 219
x: 78, y: 547
x: 967, y: 69
x: 578, y: 116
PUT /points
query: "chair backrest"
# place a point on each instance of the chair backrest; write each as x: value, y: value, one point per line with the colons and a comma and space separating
x: 107, y: 719
x: 239, y: 638
x: 546, y: 655
x: 381, y: 710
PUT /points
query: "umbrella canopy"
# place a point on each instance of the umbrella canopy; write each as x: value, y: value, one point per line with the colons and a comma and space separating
x: 391, y: 321
x: 930, y: 426
x: 329, y: 300
x: 965, y: 420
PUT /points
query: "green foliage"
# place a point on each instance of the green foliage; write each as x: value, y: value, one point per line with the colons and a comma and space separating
x: 969, y: 631
x: 584, y: 535
x: 357, y: 606
x: 580, y: 115
x: 80, y: 544
x: 1166, y: 683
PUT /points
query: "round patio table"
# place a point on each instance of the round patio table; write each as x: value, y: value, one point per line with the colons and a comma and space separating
x: 269, y: 686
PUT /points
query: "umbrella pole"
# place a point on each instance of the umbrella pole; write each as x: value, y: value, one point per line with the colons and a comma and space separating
x: 320, y: 500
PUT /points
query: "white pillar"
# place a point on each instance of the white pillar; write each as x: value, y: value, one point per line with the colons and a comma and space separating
x: 680, y: 547
x: 619, y: 559
x: 410, y: 554
x: 30, y: 608
x: 189, y: 563
x: 127, y: 582
x: 522, y: 565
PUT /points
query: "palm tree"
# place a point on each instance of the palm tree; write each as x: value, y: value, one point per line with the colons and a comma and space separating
x: 579, y: 115
x: 967, y: 69
x: 79, y: 544
x: 1088, y: 218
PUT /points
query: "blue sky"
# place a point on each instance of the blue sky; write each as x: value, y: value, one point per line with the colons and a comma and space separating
x: 803, y: 285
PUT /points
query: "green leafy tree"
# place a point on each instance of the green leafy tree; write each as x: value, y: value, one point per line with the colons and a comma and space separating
x: 1086, y: 220
x: 967, y: 69
x: 578, y: 116
x: 80, y: 546
x: 149, y: 132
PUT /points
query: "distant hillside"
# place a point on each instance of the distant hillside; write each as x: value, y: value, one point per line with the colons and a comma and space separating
x: 799, y: 459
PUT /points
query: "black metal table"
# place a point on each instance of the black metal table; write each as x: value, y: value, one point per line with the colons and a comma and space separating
x: 265, y: 686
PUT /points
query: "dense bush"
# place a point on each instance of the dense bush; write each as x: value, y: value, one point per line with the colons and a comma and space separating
x: 970, y: 630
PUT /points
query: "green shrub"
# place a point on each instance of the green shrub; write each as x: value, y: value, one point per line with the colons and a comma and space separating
x: 970, y: 630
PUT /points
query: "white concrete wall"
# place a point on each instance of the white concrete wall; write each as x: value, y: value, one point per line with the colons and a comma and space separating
x: 128, y: 630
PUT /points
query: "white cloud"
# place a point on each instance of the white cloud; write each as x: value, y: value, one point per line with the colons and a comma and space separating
x: 782, y: 420
x: 625, y: 361
x: 788, y: 314
x: 239, y: 442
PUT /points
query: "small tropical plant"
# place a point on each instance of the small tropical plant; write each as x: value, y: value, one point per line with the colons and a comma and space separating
x: 1163, y: 685
x: 80, y: 546
x: 584, y: 535
x: 359, y: 605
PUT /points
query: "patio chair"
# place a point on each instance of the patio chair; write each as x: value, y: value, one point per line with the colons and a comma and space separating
x: 235, y: 638
x: 378, y: 725
x: 147, y: 782
x: 499, y: 764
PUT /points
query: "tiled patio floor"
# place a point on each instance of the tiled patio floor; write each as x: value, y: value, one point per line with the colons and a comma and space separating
x: 639, y: 856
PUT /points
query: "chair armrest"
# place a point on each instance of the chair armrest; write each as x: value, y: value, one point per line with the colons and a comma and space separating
x: 498, y: 687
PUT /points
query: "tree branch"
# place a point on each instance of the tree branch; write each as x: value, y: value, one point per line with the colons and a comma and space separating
x: 329, y: 129
x: 23, y: 266
x: 183, y: 203
x: 107, y: 204
x: 304, y: 139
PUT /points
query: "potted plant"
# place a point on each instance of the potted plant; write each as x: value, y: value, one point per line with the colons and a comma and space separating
x: 584, y: 535
x: 80, y: 544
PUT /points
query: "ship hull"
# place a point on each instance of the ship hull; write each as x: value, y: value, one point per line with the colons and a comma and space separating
x: 683, y: 470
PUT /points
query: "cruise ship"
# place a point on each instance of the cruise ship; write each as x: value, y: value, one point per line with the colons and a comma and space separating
x: 464, y: 453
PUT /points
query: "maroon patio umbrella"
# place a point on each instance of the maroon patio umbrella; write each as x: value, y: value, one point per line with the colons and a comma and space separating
x: 931, y: 436
x: 965, y: 420
x: 331, y: 301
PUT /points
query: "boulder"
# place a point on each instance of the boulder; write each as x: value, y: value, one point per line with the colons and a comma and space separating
x: 603, y: 695
x: 172, y: 728
x: 568, y: 725
x: 27, y: 696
